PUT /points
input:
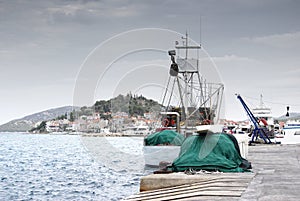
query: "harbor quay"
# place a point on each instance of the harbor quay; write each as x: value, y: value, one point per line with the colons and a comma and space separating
x: 277, y: 173
x: 274, y: 176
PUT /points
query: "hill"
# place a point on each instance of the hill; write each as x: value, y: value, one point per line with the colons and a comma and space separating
x: 293, y: 116
x: 133, y: 105
x: 27, y: 122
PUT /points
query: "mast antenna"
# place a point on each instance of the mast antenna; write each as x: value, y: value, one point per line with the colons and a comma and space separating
x: 185, y: 44
x: 200, y: 35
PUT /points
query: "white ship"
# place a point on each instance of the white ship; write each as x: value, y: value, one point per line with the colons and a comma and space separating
x: 264, y: 114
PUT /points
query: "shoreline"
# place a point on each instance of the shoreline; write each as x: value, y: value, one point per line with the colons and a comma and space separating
x: 72, y: 134
x: 108, y: 135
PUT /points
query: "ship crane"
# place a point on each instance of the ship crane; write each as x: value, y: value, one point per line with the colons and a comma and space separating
x: 257, y: 131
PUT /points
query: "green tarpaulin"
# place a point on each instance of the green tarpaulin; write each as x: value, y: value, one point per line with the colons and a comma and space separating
x: 165, y: 137
x: 211, y: 151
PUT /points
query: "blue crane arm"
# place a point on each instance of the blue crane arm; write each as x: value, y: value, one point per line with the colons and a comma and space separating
x: 257, y: 130
x: 250, y: 114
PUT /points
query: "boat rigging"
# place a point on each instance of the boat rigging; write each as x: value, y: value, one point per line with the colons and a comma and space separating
x: 200, y: 101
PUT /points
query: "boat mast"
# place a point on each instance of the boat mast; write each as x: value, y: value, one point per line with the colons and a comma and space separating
x: 186, y: 44
x: 261, y: 103
x: 203, y: 105
x: 188, y: 76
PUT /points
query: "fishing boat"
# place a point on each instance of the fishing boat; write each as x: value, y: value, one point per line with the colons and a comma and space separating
x: 192, y: 103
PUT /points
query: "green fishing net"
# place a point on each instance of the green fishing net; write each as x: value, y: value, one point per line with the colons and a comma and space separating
x: 165, y: 137
x: 212, y: 152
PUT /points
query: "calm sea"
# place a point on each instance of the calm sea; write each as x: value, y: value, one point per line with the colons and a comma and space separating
x: 64, y: 167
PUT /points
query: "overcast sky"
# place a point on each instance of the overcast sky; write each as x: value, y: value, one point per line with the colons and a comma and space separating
x: 45, y: 47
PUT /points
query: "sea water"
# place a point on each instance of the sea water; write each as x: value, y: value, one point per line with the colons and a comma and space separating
x: 65, y: 167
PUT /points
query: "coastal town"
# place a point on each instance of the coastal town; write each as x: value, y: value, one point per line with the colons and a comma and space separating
x: 122, y: 115
x: 122, y: 124
x: 119, y: 122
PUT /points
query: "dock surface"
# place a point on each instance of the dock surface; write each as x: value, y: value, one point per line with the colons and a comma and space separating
x: 275, y: 176
x: 277, y: 170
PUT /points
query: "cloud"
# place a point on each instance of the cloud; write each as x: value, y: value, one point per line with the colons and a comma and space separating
x: 285, y: 40
x: 68, y: 10
x: 92, y: 9
x: 232, y: 58
x: 293, y: 72
x: 48, y: 40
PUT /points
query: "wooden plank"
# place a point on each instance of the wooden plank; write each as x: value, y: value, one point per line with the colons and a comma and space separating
x: 190, y: 194
x: 229, y: 185
x: 194, y: 194
x: 195, y: 186
x: 209, y: 198
x: 226, y: 181
x: 241, y: 180
x: 152, y: 182
x: 210, y: 186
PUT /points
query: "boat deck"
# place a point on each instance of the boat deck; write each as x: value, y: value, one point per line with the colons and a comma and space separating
x: 275, y: 177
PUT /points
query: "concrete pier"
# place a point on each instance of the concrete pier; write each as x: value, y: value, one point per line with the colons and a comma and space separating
x: 277, y: 170
x: 275, y: 176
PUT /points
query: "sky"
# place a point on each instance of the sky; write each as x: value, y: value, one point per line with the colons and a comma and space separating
x: 70, y: 52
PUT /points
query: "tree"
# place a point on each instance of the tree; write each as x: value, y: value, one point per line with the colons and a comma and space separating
x: 61, y: 117
x: 41, y: 128
x: 72, y: 116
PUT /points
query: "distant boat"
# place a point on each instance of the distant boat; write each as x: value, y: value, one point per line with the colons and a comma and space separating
x: 59, y: 133
x: 137, y: 130
x: 263, y: 113
x: 292, y: 124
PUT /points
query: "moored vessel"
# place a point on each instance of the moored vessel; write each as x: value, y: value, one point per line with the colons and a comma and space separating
x: 264, y: 114
x: 192, y: 102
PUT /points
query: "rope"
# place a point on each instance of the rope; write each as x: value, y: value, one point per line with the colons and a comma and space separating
x: 166, y: 90
x: 171, y: 96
